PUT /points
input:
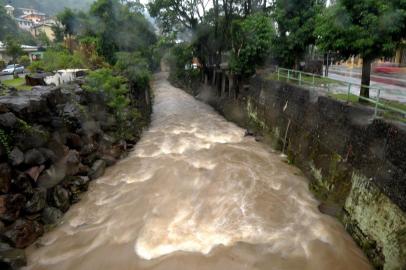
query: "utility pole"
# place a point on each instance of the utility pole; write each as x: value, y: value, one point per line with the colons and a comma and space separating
x: 327, y: 64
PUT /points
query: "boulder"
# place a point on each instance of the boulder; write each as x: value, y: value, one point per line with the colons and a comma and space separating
x: 11, y: 258
x: 51, y: 215
x: 88, y: 149
x: 60, y: 198
x: 90, y: 128
x: 48, y: 154
x: 8, y: 120
x: 53, y: 176
x: 3, y: 108
x: 71, y: 112
x: 58, y: 149
x: 34, y: 157
x: 77, y: 184
x: 57, y: 122
x: 35, y: 172
x: 5, y: 177
x: 110, y: 160
x: 34, y: 137
x: 22, y: 184
x: 10, y: 206
x: 37, y: 202
x: 74, y: 141
x: 97, y: 169
x: 83, y: 169
x: 23, y: 233
x: 72, y: 162
x: 16, y: 156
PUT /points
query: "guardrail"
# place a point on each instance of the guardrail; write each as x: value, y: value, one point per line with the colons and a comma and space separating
x: 326, y: 84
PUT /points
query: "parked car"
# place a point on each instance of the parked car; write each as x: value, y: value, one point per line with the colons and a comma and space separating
x: 389, y: 68
x: 11, y: 69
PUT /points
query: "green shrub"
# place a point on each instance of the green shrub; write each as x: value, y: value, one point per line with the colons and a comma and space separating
x: 115, y: 92
x: 180, y: 64
x: 134, y: 67
x: 24, y: 60
x: 56, y: 58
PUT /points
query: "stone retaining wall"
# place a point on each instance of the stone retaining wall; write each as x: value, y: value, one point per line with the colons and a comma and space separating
x: 53, y: 142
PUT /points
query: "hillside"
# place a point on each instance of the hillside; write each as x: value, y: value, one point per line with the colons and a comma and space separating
x: 8, y: 27
x: 51, y: 7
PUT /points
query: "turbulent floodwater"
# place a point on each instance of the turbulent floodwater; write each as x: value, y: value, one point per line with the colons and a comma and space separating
x: 196, y: 194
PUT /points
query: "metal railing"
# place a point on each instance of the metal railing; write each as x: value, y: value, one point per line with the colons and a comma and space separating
x: 321, y: 83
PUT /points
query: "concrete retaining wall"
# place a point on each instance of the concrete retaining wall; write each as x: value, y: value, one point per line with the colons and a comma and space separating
x: 356, y: 166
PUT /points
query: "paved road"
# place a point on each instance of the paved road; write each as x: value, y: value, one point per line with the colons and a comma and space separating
x: 393, y: 85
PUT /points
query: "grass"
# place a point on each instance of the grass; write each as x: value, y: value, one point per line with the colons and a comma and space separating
x: 386, y: 113
x: 19, y: 84
x: 306, y: 79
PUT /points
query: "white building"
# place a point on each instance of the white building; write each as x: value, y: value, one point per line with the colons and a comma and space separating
x: 10, y: 10
x: 25, y: 24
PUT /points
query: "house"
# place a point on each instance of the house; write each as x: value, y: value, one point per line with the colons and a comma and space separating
x: 44, y: 27
x: 24, y: 24
x: 33, y: 52
x: 35, y: 17
x: 10, y: 10
x: 33, y: 21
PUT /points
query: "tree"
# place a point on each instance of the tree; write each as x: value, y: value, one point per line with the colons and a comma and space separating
x: 9, y: 27
x: 295, y: 21
x: 13, y: 49
x: 43, y: 39
x: 58, y: 32
x: 251, y: 41
x: 369, y: 28
x: 178, y: 14
x: 68, y: 19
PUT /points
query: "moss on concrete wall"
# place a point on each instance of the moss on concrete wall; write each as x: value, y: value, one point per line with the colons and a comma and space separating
x: 381, y: 222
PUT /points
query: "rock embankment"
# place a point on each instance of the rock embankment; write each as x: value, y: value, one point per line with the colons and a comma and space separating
x: 53, y: 142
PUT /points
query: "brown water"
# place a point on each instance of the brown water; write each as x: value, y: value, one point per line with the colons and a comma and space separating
x: 196, y: 194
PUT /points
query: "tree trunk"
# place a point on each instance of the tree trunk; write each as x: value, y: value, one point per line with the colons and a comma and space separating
x: 365, y: 78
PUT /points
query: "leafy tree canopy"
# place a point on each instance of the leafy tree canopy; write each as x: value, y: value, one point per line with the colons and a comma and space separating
x: 369, y: 28
x: 296, y: 20
x: 251, y: 41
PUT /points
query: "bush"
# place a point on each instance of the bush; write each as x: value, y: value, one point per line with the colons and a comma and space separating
x: 180, y: 60
x: 134, y: 67
x: 115, y: 92
x: 57, y: 58
x: 24, y: 61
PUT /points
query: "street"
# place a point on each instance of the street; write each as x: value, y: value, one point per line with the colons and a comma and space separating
x: 393, y: 86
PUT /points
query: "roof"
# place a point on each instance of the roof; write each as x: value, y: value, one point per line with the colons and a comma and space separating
x: 26, y: 48
x: 36, y: 14
x: 9, y: 7
x: 42, y: 24
x: 23, y: 20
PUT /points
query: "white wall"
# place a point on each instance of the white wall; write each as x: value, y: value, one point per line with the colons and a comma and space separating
x: 62, y: 76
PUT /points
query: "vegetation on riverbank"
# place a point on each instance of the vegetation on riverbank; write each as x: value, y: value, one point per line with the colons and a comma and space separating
x: 55, y: 140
